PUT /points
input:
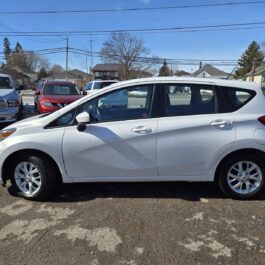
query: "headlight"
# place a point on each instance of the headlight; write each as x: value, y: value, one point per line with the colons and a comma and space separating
x: 13, y: 103
x: 5, y: 133
x: 47, y: 104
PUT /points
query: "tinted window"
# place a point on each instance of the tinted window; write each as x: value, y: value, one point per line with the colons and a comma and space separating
x: 5, y: 82
x: 182, y: 99
x: 233, y: 99
x: 99, y: 85
x: 60, y: 89
x: 88, y: 86
x: 123, y: 104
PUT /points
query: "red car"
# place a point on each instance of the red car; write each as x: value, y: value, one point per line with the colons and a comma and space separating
x: 54, y: 95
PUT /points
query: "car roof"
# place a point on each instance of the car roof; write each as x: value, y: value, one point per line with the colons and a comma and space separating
x: 102, y: 81
x: 55, y: 82
x: 191, y: 80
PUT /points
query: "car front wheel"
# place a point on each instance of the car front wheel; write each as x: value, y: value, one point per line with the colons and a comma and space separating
x: 33, y: 177
x: 243, y: 176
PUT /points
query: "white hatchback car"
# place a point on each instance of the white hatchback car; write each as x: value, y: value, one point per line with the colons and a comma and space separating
x: 168, y: 129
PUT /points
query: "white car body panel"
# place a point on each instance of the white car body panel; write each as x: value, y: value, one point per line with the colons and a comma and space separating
x: 111, y: 149
x: 112, y: 152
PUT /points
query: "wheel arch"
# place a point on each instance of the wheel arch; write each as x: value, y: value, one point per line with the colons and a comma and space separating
x: 237, y: 152
x: 6, y: 165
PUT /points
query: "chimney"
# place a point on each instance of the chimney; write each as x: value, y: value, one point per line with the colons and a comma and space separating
x: 200, y: 65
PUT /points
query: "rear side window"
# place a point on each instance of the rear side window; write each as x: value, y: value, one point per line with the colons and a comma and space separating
x: 233, y: 99
x: 182, y: 100
x: 99, y: 85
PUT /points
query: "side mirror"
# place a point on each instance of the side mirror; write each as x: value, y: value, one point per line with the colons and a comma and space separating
x: 82, y: 120
x: 84, y: 93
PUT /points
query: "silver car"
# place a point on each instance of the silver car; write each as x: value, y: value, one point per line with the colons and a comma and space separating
x: 10, y: 100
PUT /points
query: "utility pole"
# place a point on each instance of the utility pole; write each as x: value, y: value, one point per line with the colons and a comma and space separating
x: 66, y: 61
x: 91, y: 51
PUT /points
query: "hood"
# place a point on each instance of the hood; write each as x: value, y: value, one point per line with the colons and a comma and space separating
x: 61, y: 98
x: 41, y: 119
x: 7, y: 92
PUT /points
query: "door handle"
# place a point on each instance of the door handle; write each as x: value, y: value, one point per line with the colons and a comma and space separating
x: 141, y: 130
x: 221, y: 123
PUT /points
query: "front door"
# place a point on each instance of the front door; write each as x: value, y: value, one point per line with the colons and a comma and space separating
x: 119, y: 143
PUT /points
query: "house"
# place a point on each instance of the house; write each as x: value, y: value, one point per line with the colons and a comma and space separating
x: 139, y: 74
x: 210, y: 71
x: 257, y: 75
x: 20, y: 79
x: 76, y: 76
x: 181, y: 73
x: 108, y: 71
x: 33, y: 76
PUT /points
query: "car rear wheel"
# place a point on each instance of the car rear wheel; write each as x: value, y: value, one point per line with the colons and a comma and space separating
x: 33, y: 177
x: 243, y: 176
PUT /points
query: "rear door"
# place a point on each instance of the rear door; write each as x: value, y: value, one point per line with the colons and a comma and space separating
x: 192, y: 132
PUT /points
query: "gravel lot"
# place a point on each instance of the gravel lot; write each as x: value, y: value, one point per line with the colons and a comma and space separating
x: 133, y: 224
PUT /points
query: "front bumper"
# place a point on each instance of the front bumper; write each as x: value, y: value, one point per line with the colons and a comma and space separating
x: 9, y: 114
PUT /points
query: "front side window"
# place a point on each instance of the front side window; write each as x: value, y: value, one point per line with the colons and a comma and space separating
x: 88, y: 86
x: 182, y: 100
x: 123, y: 104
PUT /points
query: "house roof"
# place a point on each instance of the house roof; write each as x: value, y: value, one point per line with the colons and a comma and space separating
x: 108, y: 67
x: 181, y: 73
x: 79, y: 73
x: 259, y: 70
x: 13, y: 73
x: 211, y: 70
x: 62, y: 75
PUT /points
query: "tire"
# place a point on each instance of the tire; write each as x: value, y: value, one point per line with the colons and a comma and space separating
x: 242, y: 176
x: 44, y: 175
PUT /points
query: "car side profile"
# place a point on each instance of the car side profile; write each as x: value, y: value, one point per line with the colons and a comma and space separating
x: 53, y: 95
x: 165, y: 129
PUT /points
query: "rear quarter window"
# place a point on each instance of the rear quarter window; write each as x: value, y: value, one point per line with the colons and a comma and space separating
x: 232, y: 99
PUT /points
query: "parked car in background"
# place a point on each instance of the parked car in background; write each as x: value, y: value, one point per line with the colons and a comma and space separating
x: 11, y: 104
x: 96, y: 85
x: 168, y: 129
x: 53, y: 95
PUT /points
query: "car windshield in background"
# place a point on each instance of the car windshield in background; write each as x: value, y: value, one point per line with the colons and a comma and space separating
x: 99, y: 85
x: 5, y: 83
x: 60, y: 89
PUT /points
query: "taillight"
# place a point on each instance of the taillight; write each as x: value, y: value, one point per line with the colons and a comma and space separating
x: 262, y: 120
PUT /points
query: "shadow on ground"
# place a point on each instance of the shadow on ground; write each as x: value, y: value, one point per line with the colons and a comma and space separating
x: 164, y: 190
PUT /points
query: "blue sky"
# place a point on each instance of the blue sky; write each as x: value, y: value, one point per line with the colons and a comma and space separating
x: 197, y: 45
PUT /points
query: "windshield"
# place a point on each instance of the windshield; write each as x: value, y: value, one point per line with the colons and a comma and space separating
x: 60, y: 89
x: 5, y: 82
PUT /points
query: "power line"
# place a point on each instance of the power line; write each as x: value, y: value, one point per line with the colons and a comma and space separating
x: 217, y: 27
x: 131, y: 9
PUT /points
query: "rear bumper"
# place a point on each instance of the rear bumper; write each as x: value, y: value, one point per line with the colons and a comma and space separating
x: 9, y: 115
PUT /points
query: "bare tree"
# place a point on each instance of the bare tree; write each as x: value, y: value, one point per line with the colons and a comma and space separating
x: 55, y: 69
x: 35, y: 62
x: 127, y: 50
